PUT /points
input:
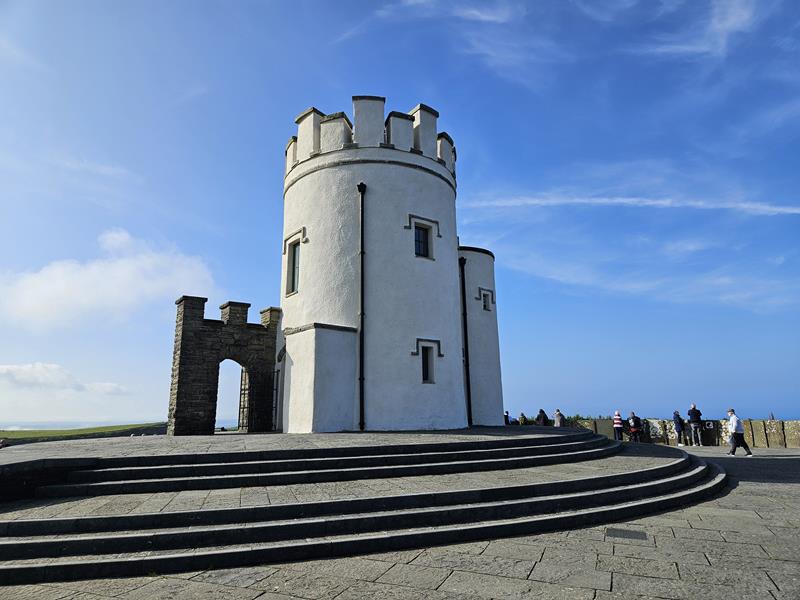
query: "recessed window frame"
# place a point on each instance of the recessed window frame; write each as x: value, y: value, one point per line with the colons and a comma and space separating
x: 293, y: 267
x: 433, y: 231
x: 422, y: 241
x: 487, y: 301
x: 428, y: 350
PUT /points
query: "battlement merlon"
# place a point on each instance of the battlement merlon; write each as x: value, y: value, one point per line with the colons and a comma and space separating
x: 291, y: 153
x: 425, y: 129
x: 308, y: 123
x: 400, y: 130
x: 191, y: 308
x: 234, y: 313
x: 336, y: 130
x: 446, y: 151
x: 368, y: 117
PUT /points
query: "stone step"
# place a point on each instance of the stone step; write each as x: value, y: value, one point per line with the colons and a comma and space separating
x: 209, y: 469
x: 540, y: 436
x: 306, y: 528
x: 87, y: 524
x: 129, y: 564
x: 600, y: 447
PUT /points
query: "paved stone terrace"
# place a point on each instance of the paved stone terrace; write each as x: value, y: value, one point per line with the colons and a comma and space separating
x: 234, y: 442
x: 631, y: 458
x: 743, y: 544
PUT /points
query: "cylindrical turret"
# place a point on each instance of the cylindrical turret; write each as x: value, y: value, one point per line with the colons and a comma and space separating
x: 406, y: 272
x: 482, y: 344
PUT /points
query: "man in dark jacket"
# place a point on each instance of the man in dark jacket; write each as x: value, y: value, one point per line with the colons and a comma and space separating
x: 679, y: 428
x: 696, y: 425
x: 634, y: 427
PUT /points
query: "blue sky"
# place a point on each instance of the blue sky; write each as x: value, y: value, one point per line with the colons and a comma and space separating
x: 634, y: 166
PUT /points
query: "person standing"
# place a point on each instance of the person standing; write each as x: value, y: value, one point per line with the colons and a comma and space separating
x: 558, y: 419
x: 737, y: 434
x: 617, y: 426
x: 634, y: 427
x: 696, y: 425
x: 679, y: 428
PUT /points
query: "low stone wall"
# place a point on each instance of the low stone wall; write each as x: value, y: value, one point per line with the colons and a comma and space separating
x: 757, y: 433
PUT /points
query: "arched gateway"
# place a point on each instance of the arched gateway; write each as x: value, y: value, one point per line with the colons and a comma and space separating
x: 200, y: 346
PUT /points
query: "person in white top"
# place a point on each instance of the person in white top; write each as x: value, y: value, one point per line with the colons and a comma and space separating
x: 737, y: 434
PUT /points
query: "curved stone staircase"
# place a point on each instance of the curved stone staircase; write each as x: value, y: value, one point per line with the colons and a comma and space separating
x: 38, y: 550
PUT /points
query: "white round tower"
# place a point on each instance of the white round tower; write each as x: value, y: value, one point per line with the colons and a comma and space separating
x: 370, y: 287
x: 482, y: 343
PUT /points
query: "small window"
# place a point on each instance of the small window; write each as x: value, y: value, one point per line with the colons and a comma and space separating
x: 293, y: 268
x: 422, y: 241
x: 427, y: 364
x: 487, y: 301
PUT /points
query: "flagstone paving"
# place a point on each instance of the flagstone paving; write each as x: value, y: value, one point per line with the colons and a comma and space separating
x: 744, y: 543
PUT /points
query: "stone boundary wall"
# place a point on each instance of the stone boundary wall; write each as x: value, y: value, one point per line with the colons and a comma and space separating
x: 758, y: 433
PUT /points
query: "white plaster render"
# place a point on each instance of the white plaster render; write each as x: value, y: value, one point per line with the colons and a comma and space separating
x: 484, y: 344
x: 333, y: 134
x: 291, y: 153
x: 424, y: 130
x: 308, y: 133
x: 368, y: 120
x: 400, y: 132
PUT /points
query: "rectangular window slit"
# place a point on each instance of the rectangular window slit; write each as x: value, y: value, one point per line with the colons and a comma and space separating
x: 422, y: 241
x: 427, y: 364
x: 293, y: 268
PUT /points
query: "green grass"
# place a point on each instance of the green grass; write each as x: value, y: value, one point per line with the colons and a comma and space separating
x: 43, y: 435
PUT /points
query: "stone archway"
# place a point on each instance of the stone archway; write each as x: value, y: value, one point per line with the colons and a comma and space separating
x: 200, y: 346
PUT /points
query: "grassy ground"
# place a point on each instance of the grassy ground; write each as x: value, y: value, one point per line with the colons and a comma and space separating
x: 43, y: 435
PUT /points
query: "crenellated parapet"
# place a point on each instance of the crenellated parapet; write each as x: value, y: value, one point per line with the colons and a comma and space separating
x: 413, y: 132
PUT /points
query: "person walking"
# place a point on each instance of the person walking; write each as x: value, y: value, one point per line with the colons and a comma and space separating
x: 679, y: 428
x: 634, y: 427
x: 541, y: 418
x: 506, y: 418
x: 558, y: 419
x: 737, y: 434
x: 617, y: 426
x: 696, y: 425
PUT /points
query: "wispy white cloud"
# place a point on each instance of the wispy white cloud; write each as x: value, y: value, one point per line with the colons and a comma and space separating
x: 129, y: 274
x: 606, y: 11
x: 81, y: 165
x: 15, y: 55
x: 725, y: 285
x: 50, y: 376
x: 682, y: 248
x: 554, y: 200
x: 712, y: 38
x: 504, y: 12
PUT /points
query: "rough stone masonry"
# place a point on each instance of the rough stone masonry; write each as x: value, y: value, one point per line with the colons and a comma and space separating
x: 200, y: 346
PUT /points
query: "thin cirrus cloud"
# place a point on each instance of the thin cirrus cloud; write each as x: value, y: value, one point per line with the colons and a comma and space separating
x: 727, y: 285
x: 545, y: 200
x: 712, y: 37
x: 49, y: 376
x: 128, y: 274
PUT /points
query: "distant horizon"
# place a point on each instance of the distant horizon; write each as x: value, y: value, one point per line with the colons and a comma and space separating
x: 55, y: 425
